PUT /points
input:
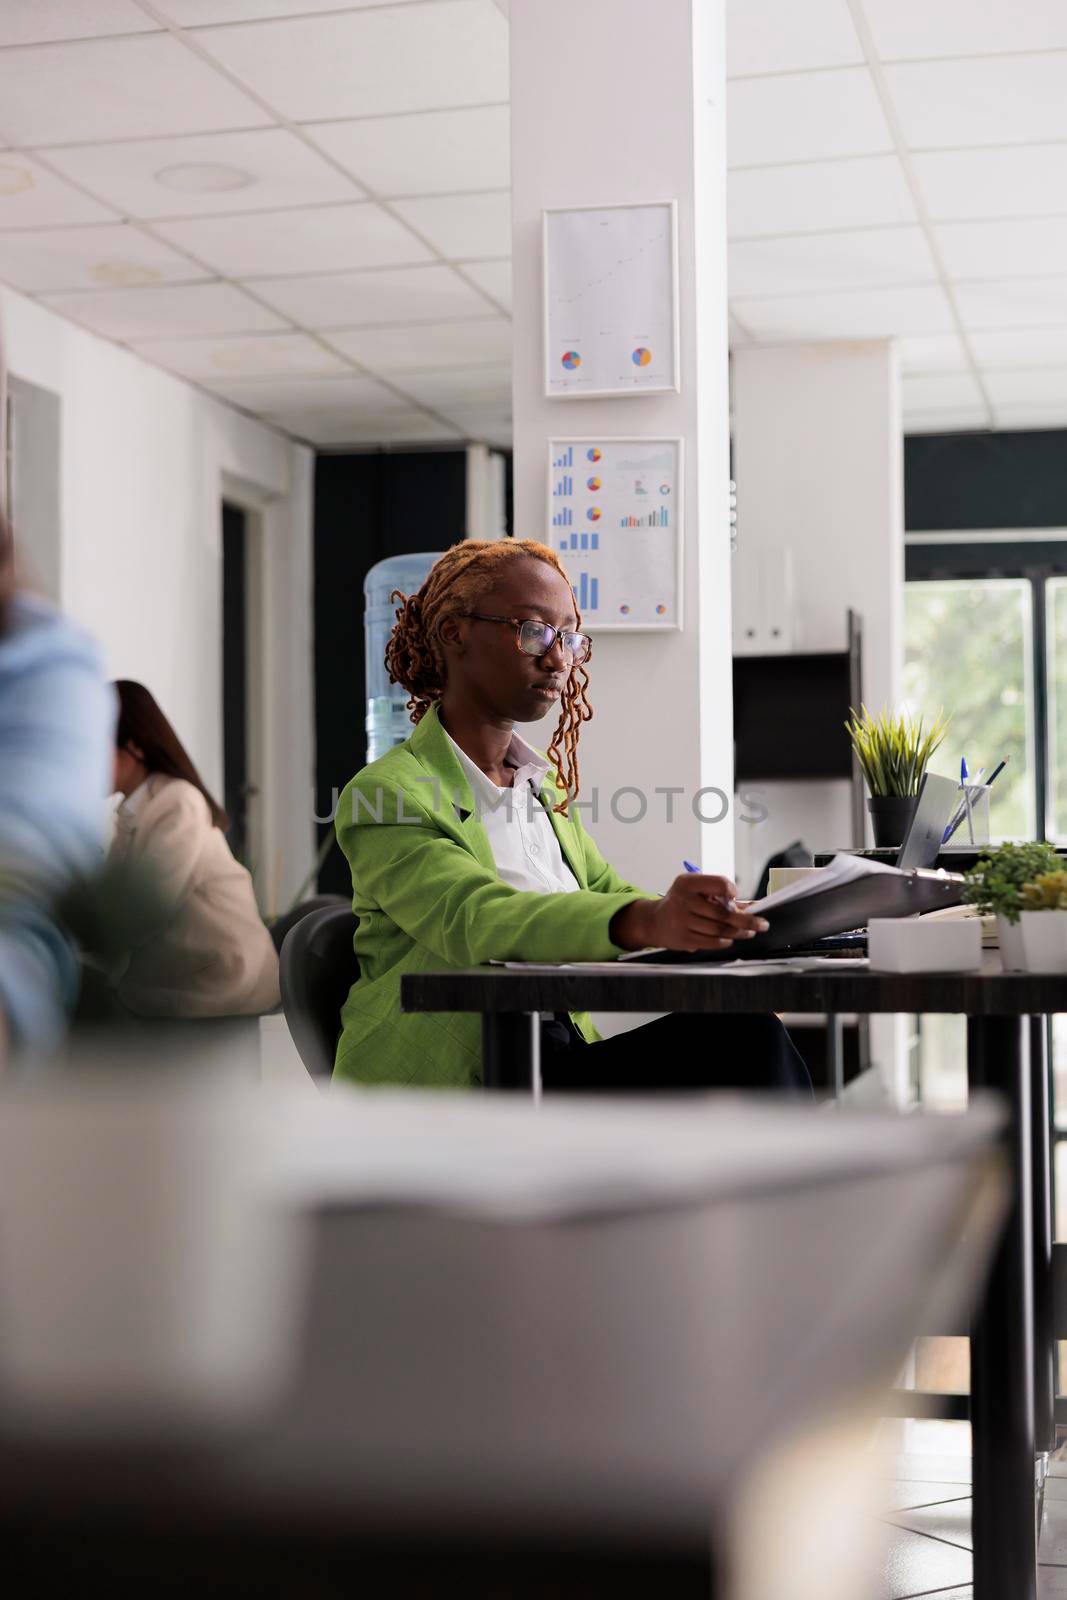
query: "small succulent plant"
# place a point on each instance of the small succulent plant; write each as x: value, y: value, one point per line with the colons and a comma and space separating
x: 995, y: 883
x: 1047, y: 893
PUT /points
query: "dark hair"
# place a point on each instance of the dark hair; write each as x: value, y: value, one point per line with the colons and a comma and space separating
x: 7, y: 572
x: 142, y: 723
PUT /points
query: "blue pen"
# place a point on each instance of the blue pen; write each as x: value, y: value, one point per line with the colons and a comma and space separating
x: 731, y: 905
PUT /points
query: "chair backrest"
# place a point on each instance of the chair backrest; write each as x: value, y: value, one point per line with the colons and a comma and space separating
x: 289, y: 919
x: 318, y: 967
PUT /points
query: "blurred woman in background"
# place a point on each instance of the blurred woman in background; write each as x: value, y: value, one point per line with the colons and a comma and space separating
x: 56, y: 716
x: 210, y: 954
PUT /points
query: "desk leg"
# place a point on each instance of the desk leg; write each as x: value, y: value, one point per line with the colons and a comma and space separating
x: 1041, y: 1176
x: 835, y: 1055
x: 511, y: 1050
x: 1002, y: 1339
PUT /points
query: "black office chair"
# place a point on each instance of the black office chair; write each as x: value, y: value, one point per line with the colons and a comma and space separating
x: 289, y: 919
x: 318, y: 967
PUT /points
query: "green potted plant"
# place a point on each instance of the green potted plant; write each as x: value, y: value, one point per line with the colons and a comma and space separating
x: 1044, y: 922
x: 994, y: 887
x: 894, y: 753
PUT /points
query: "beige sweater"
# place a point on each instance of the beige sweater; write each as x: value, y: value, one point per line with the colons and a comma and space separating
x: 214, y: 957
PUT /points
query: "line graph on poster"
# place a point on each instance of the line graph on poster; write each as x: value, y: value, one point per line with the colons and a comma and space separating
x: 610, y: 300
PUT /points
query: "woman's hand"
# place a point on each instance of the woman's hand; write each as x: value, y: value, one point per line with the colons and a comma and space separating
x: 694, y: 914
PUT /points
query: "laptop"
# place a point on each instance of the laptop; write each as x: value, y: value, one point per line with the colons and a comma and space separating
x: 938, y: 798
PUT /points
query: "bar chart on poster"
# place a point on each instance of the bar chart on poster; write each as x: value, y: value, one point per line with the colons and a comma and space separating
x: 610, y: 300
x: 615, y: 520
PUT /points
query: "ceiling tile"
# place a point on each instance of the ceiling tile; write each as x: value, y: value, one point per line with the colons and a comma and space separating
x: 471, y: 226
x: 1014, y: 418
x: 1027, y: 180
x: 780, y: 36
x: 115, y: 89
x: 804, y: 117
x: 196, y: 311
x: 364, y: 299
x: 261, y: 243
x: 334, y: 411
x: 868, y: 259
x: 359, y: 63
x: 941, y: 391
x: 1043, y: 387
x: 492, y: 276
x: 352, y: 395
x: 250, y: 355
x: 813, y: 198
x: 30, y: 22
x: 431, y: 153
x: 329, y: 431
x: 201, y: 13
x: 962, y: 28
x: 868, y: 314
x: 474, y: 386
x: 446, y: 344
x: 32, y: 197
x: 486, y: 424
x: 931, y: 352
x: 968, y: 419
x: 1001, y: 100
x: 114, y: 256
x: 1019, y: 303
x: 1021, y: 347
x: 283, y: 172
x: 1016, y: 249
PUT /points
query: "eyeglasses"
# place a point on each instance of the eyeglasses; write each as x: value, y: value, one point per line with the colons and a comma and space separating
x: 537, y: 638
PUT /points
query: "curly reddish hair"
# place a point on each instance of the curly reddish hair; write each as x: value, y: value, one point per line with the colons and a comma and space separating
x: 456, y: 584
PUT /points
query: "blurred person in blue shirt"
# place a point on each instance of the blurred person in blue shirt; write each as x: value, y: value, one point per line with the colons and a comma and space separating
x: 56, y: 722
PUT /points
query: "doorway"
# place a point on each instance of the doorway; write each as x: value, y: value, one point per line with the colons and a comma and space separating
x: 240, y: 632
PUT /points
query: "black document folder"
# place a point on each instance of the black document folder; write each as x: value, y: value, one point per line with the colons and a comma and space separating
x: 798, y: 923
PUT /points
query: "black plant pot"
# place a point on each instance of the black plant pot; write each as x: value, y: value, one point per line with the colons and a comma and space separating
x: 891, y: 816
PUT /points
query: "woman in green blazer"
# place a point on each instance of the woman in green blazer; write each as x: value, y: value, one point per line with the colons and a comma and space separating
x: 464, y: 848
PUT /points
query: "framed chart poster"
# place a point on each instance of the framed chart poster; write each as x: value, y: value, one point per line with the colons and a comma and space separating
x: 610, y: 300
x: 615, y: 520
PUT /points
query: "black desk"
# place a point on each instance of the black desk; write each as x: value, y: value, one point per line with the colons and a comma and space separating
x: 1012, y: 1366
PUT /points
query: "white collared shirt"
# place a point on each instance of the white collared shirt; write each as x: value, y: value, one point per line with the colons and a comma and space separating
x: 522, y: 839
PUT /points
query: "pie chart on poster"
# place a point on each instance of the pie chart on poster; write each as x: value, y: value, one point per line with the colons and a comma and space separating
x: 593, y: 483
x: 571, y: 360
x: 593, y: 513
x: 641, y: 357
x: 594, y: 454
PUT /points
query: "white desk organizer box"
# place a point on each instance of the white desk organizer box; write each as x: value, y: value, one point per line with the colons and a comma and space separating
x: 912, y: 944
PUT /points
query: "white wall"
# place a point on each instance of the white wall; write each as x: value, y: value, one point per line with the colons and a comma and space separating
x: 645, y: 123
x: 818, y: 458
x: 144, y: 462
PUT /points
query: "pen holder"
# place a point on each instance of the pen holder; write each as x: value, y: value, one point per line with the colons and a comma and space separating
x: 972, y: 811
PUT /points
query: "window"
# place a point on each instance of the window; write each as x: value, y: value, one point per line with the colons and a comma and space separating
x: 986, y: 638
x: 968, y: 649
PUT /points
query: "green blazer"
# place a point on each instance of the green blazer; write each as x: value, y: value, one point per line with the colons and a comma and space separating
x: 426, y: 890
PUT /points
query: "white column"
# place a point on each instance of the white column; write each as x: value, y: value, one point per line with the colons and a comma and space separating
x: 818, y: 446
x: 618, y: 101
x: 818, y: 463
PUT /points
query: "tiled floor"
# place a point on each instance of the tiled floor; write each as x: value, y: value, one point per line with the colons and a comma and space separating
x: 927, y: 1521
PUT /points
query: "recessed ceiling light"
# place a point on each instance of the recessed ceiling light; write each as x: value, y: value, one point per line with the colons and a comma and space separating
x: 16, y: 180
x: 124, y: 274
x: 203, y: 177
